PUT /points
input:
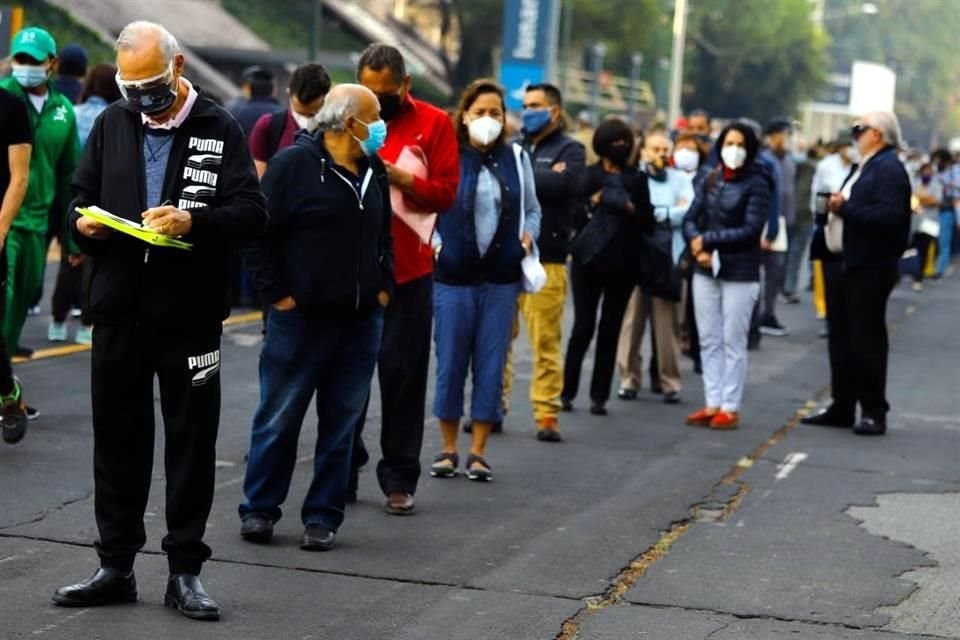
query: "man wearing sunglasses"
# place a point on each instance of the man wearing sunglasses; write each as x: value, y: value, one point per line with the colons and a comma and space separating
x: 873, y: 206
x: 178, y: 164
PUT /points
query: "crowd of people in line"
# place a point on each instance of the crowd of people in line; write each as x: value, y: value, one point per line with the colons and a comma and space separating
x: 369, y: 224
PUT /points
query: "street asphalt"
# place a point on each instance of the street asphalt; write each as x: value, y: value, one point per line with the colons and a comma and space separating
x: 636, y: 527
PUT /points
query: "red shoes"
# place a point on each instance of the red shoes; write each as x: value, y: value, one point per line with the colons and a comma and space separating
x: 715, y: 419
x: 725, y: 420
x: 702, y: 418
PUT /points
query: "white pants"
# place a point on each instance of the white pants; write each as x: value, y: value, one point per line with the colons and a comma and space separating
x: 723, y: 311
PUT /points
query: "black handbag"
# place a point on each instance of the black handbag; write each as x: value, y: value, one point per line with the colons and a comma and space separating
x: 662, y: 278
x: 592, y: 241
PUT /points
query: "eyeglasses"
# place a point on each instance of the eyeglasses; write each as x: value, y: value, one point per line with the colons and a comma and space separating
x: 859, y: 129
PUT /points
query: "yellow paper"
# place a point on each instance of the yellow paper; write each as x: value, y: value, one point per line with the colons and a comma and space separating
x: 130, y: 228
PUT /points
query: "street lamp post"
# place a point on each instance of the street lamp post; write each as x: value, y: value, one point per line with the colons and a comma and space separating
x: 676, y: 62
x: 598, y: 52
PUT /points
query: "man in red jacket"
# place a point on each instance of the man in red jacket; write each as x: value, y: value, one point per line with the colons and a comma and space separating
x: 416, y: 130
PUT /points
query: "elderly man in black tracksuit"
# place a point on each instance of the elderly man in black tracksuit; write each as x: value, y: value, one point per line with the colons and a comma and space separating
x: 874, y: 207
x: 558, y: 168
x: 158, y: 311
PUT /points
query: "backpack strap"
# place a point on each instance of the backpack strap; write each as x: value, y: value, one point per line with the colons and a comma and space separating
x: 278, y: 122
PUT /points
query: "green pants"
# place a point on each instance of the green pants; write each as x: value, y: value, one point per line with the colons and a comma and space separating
x: 26, y: 253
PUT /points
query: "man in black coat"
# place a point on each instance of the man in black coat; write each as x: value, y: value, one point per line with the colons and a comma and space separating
x: 874, y: 208
x: 177, y: 163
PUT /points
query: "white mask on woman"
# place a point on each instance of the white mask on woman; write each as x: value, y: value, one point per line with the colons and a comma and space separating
x: 484, y: 130
x: 733, y: 157
x: 686, y: 160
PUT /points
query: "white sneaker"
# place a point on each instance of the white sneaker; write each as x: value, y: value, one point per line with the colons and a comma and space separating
x: 57, y: 332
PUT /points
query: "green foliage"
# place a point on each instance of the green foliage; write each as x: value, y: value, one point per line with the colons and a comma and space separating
x: 287, y: 26
x: 65, y: 30
x: 752, y: 58
x: 917, y: 39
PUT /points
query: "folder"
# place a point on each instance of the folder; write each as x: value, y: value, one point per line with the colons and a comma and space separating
x: 413, y: 160
x: 130, y: 228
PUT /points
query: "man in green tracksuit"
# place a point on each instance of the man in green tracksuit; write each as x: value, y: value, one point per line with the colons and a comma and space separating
x: 56, y: 151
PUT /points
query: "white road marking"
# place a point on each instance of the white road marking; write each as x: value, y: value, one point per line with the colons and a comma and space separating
x: 789, y: 464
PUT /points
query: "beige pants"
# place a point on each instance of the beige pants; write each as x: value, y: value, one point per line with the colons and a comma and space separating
x: 665, y: 316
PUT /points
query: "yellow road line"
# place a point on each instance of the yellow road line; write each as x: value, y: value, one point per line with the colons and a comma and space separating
x: 71, y: 349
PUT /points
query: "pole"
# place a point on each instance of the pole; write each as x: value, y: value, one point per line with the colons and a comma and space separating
x: 314, y: 27
x: 567, y: 43
x: 598, y: 51
x: 676, y: 62
x: 636, y: 60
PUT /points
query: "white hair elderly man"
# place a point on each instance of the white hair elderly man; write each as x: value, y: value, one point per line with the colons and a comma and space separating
x: 177, y: 163
x: 326, y: 268
x: 873, y: 207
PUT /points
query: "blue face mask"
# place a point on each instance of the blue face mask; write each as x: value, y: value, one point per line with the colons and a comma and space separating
x: 534, y: 120
x: 376, y: 137
x: 29, y: 75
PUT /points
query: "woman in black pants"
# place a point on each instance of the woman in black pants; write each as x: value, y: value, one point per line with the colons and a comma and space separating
x: 605, y: 261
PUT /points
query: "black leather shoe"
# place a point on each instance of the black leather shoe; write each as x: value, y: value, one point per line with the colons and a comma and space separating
x: 671, y: 397
x: 257, y: 528
x: 185, y: 594
x: 598, y: 409
x: 566, y: 405
x: 871, y: 427
x: 317, y: 537
x: 106, y: 586
x: 627, y: 394
x: 829, y: 417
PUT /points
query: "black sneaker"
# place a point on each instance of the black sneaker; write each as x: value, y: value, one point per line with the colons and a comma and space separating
x: 32, y: 414
x: 23, y: 352
x: 770, y: 326
x: 13, y: 415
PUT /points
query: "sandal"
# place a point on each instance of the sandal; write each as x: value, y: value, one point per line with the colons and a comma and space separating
x: 483, y: 473
x: 440, y: 468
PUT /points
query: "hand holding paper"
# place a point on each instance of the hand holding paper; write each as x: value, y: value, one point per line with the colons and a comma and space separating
x: 413, y: 161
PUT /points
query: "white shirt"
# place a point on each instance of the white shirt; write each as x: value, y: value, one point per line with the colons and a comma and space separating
x: 38, y: 101
x: 847, y: 188
x: 828, y: 177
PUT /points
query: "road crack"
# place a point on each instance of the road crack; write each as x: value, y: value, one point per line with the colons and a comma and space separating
x: 47, y: 512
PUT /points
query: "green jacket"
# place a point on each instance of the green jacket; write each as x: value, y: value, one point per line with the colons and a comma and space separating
x: 56, y: 152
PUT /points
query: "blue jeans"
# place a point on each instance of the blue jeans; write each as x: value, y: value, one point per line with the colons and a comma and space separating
x: 473, y: 323
x: 948, y: 224
x: 301, y: 355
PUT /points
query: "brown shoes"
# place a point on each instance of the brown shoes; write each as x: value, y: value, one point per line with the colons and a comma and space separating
x: 400, y: 504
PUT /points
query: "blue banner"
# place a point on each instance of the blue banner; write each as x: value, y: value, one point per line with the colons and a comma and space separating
x: 529, y: 45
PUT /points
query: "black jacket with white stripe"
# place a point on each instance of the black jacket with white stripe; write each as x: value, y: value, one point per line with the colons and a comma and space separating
x: 211, y: 175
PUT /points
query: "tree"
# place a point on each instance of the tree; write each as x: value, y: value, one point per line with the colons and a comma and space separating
x: 753, y: 58
x: 624, y: 26
x: 917, y: 39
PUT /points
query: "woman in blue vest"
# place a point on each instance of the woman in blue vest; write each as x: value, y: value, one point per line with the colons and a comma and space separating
x: 480, y: 242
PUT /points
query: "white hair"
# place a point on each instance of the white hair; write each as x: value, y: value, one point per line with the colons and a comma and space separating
x: 342, y: 102
x: 887, y: 124
x: 135, y: 33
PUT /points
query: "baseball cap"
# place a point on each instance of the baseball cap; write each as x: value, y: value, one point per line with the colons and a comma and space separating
x: 34, y: 42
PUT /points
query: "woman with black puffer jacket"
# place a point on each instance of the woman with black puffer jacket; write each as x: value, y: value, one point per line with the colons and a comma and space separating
x: 723, y: 227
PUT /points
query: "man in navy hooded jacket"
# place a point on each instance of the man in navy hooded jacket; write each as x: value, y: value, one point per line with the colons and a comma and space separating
x: 326, y: 269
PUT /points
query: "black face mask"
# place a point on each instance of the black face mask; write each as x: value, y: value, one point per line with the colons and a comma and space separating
x: 152, y: 101
x: 390, y: 106
x: 618, y: 154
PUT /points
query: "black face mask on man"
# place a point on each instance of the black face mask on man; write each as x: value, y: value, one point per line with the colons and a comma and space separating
x: 150, y: 96
x: 390, y: 106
